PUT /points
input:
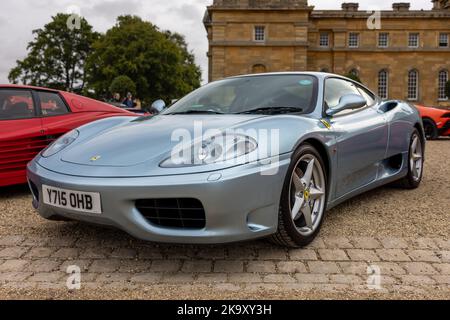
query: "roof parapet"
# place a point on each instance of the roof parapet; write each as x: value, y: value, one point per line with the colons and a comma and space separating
x: 401, y: 6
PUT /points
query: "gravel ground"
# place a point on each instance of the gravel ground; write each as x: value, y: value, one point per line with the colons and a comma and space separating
x: 386, y: 212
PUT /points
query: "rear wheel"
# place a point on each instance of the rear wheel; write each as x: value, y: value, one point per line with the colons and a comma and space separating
x: 431, y: 131
x: 303, y: 201
x: 415, y: 162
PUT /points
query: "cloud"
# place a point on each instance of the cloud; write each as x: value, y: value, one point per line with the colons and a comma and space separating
x: 110, y: 10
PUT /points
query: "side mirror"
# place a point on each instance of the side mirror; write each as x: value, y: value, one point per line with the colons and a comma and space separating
x: 158, y: 106
x: 349, y: 101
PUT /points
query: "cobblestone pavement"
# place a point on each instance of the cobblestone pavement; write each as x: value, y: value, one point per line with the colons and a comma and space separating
x: 329, y: 264
x: 357, y: 244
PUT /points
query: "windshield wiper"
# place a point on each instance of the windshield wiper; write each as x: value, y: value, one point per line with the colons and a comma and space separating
x: 196, y: 112
x: 272, y: 110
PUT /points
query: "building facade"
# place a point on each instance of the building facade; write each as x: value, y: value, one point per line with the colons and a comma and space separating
x: 399, y: 53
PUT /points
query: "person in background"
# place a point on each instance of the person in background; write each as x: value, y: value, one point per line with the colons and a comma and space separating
x: 116, y: 98
x: 129, y: 102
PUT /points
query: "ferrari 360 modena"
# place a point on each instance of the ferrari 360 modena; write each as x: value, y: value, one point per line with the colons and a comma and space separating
x: 242, y: 158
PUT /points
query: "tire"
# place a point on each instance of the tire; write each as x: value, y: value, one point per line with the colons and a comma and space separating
x: 295, y: 232
x: 414, y: 177
x: 431, y: 131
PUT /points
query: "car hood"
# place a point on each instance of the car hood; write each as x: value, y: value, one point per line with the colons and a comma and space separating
x: 144, y: 140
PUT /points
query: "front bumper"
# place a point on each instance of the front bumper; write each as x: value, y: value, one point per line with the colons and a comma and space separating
x: 240, y: 203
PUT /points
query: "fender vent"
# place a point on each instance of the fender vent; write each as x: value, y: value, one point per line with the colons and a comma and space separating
x: 389, y: 106
x: 173, y: 213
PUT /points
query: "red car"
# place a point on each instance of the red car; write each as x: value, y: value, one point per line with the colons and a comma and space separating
x: 436, y: 122
x: 31, y: 118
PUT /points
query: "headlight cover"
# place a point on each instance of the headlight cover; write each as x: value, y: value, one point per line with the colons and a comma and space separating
x: 61, y: 143
x: 216, y: 149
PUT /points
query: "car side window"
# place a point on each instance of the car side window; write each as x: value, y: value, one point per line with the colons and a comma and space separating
x: 369, y: 96
x: 52, y: 104
x: 335, y: 89
x: 16, y: 104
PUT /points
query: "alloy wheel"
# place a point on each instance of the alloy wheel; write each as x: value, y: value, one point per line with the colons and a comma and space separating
x: 416, y: 158
x: 307, y: 192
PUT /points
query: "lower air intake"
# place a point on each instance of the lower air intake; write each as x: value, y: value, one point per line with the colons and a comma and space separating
x: 173, y: 213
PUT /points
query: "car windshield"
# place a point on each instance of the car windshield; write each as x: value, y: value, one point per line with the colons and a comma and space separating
x: 268, y: 94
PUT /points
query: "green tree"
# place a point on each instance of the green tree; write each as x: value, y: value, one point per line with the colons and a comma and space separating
x: 447, y: 89
x: 353, y: 76
x: 159, y: 63
x: 57, y: 55
x: 122, y: 85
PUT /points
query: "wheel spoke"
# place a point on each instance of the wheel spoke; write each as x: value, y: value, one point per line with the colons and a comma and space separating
x: 414, y: 144
x: 296, y: 209
x: 306, y: 211
x: 415, y: 171
x: 315, y: 193
x: 308, y: 174
x: 417, y: 157
x: 299, y: 187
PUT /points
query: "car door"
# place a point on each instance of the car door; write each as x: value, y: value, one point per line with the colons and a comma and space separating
x: 21, y: 135
x: 362, y: 137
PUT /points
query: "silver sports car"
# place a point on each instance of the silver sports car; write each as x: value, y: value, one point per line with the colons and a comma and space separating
x: 242, y: 158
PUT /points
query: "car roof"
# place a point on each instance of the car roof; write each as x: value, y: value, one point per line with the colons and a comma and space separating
x: 310, y: 73
x: 16, y: 86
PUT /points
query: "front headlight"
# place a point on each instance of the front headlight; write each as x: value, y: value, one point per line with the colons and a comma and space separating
x: 61, y: 143
x: 220, y: 148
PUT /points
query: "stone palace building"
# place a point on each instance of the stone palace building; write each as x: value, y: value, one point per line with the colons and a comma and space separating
x: 405, y: 54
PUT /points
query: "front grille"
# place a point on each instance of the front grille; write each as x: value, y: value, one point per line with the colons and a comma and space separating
x: 173, y: 213
x: 15, y: 154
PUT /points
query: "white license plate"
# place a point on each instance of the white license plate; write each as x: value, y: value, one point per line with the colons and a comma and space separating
x: 86, y: 202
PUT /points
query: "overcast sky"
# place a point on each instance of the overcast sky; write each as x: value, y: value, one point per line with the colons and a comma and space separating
x: 19, y: 17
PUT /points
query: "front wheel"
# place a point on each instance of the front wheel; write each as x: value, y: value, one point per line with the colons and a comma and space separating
x: 303, y: 201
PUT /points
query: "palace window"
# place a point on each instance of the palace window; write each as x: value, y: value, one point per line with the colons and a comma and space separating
x: 383, y: 40
x: 443, y: 79
x: 259, y: 68
x: 383, y: 84
x: 260, y: 33
x: 324, y: 40
x: 353, y: 40
x: 443, y: 40
x: 413, y: 41
x: 413, y: 85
